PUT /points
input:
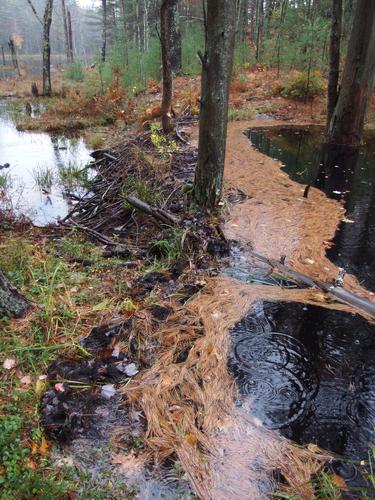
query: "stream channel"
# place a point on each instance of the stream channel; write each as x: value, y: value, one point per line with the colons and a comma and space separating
x: 33, y: 156
x: 307, y: 371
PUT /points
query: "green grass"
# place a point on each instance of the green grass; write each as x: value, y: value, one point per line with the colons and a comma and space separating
x: 72, y: 176
x: 43, y: 177
x: 5, y: 181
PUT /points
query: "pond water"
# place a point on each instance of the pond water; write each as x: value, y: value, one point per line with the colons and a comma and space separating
x: 32, y: 156
x: 307, y: 371
x: 300, y: 152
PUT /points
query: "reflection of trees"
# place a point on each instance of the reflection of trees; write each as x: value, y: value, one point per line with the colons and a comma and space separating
x: 337, y: 174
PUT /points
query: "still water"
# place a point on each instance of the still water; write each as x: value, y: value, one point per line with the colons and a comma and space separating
x: 306, y: 371
x: 28, y: 153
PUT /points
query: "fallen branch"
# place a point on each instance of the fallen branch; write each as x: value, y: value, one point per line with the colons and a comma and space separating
x: 157, y: 213
x: 338, y: 292
x: 100, y: 237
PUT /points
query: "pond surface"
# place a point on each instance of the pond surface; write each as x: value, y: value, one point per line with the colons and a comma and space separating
x: 300, y: 152
x: 307, y: 371
x: 32, y: 155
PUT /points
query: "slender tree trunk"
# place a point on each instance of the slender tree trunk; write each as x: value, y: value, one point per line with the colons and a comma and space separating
x: 12, y: 303
x: 13, y: 53
x: 66, y: 32
x: 70, y: 37
x: 47, y: 20
x: 217, y: 65
x: 348, y: 118
x: 2, y: 52
x: 334, y: 58
x: 166, y: 14
x: 126, y: 38
x: 104, y: 30
x: 176, y: 47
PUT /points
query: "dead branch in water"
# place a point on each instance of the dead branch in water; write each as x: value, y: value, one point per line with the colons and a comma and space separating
x: 339, y: 293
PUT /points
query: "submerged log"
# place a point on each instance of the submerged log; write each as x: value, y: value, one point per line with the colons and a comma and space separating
x: 338, y: 292
x: 12, y: 303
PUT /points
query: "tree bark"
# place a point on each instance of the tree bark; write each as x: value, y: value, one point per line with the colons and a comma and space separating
x: 12, y: 303
x: 166, y: 15
x: 346, y: 126
x: 217, y: 65
x: 47, y: 20
x: 334, y: 58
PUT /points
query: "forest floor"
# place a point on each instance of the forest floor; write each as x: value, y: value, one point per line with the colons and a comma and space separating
x: 163, y: 305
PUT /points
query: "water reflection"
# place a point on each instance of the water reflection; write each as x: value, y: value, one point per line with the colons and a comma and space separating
x: 28, y: 151
x: 346, y: 174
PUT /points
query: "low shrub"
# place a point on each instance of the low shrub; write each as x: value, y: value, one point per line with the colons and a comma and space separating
x: 301, y: 86
x: 75, y: 72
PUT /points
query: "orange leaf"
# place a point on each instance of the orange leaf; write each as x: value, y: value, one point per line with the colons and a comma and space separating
x: 339, y: 482
x: 43, y: 447
x: 191, y: 439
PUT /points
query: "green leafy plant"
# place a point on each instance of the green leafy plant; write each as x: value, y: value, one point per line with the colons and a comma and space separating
x: 162, y: 143
x: 301, y: 86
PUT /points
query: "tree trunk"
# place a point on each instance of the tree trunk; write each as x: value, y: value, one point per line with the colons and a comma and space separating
x: 13, y: 53
x: 12, y: 303
x: 347, y: 122
x: 334, y: 58
x: 176, y: 47
x: 47, y: 20
x: 66, y: 32
x: 70, y: 37
x: 166, y: 15
x: 217, y: 65
x: 104, y: 30
x: 2, y: 52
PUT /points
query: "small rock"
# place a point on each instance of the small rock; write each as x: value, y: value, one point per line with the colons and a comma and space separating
x: 108, y: 391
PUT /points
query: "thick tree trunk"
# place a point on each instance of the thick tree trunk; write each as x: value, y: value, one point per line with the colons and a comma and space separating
x: 176, y: 46
x: 334, y: 58
x: 216, y: 75
x: 47, y: 20
x: 12, y: 303
x: 66, y: 32
x: 347, y: 122
x: 104, y: 30
x: 166, y: 15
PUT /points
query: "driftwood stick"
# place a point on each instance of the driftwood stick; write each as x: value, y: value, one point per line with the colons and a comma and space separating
x: 157, y: 213
x: 338, y: 292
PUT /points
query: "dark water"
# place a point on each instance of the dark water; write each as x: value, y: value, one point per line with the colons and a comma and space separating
x: 309, y: 372
x: 306, y: 371
x: 301, y: 152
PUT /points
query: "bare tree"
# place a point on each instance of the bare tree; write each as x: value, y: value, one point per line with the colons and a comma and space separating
x: 46, y: 24
x: 104, y: 30
x: 166, y: 22
x: 217, y: 65
x: 346, y: 126
x: 67, y: 32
